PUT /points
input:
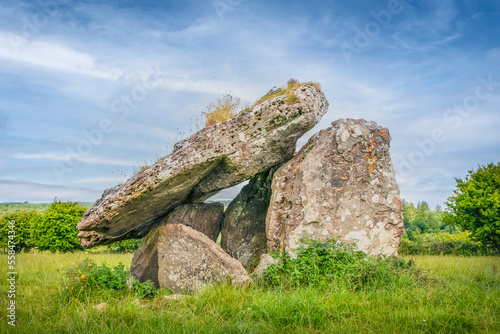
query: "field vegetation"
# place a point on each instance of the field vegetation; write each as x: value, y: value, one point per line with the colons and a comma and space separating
x: 428, y: 294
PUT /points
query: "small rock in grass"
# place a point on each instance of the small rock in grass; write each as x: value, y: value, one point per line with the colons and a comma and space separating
x: 101, y: 307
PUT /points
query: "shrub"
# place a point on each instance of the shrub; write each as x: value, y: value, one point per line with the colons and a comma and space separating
x: 24, y: 220
x: 335, y: 262
x: 441, y: 244
x: 56, y: 229
x: 88, y: 277
x: 124, y: 246
x: 224, y: 109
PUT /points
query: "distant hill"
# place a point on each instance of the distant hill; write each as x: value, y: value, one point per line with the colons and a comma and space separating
x: 11, y: 207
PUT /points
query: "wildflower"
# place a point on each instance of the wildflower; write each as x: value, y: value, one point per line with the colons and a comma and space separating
x: 83, y: 276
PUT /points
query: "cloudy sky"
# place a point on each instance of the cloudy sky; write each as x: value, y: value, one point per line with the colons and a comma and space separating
x: 91, y: 90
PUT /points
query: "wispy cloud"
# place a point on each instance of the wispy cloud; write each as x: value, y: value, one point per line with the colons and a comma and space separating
x: 55, y: 57
x: 58, y: 156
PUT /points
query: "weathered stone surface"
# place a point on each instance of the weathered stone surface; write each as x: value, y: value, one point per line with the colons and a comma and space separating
x: 144, y: 265
x: 188, y: 259
x: 215, y: 158
x: 244, y: 229
x: 205, y: 218
x: 265, y: 261
x: 341, y: 183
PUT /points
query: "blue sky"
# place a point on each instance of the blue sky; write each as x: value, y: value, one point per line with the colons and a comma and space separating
x: 91, y: 91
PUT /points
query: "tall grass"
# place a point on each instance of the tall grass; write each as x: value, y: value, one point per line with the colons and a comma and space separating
x: 463, y: 296
x: 222, y: 110
x: 227, y: 106
x: 289, y: 89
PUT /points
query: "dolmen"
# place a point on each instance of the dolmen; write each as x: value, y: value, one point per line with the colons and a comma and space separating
x: 340, y: 184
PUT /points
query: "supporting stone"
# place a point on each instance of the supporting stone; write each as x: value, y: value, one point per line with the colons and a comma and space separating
x: 244, y: 228
x: 340, y: 184
x: 205, y: 218
x: 188, y: 260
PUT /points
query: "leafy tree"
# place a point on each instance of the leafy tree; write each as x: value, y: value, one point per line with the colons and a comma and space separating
x: 423, y: 207
x: 56, y: 230
x: 421, y: 219
x: 22, y: 228
x: 475, y: 205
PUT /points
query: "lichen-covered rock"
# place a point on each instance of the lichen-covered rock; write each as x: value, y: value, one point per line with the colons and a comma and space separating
x: 188, y: 260
x: 213, y: 159
x: 244, y: 229
x: 205, y: 218
x: 340, y: 184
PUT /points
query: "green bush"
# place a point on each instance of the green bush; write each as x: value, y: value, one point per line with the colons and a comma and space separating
x: 24, y: 220
x: 321, y: 264
x: 124, y: 246
x: 87, y: 278
x: 56, y: 230
x: 441, y: 244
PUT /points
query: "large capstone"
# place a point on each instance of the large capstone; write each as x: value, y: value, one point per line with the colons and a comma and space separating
x: 340, y: 184
x: 215, y: 158
x: 244, y: 229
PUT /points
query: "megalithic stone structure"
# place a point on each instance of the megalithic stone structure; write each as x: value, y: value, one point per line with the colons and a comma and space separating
x: 215, y: 158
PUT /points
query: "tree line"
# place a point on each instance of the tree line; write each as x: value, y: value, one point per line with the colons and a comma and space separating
x: 51, y: 230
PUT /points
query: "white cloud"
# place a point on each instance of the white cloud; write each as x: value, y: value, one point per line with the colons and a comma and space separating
x: 60, y: 156
x: 51, y: 55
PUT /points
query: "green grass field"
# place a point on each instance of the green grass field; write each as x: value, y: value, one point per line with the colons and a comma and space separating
x: 463, y: 297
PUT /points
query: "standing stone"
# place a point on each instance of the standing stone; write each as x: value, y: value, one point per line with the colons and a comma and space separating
x: 244, y: 229
x: 144, y: 265
x: 205, y: 218
x: 340, y: 184
x: 217, y: 157
x: 188, y: 259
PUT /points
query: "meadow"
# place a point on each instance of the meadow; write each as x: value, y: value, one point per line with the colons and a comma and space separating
x: 461, y: 296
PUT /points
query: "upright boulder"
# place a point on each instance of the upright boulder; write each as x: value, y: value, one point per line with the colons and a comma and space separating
x: 340, y: 184
x: 188, y: 259
x: 205, y: 218
x: 215, y: 158
x: 144, y: 265
x: 244, y: 229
